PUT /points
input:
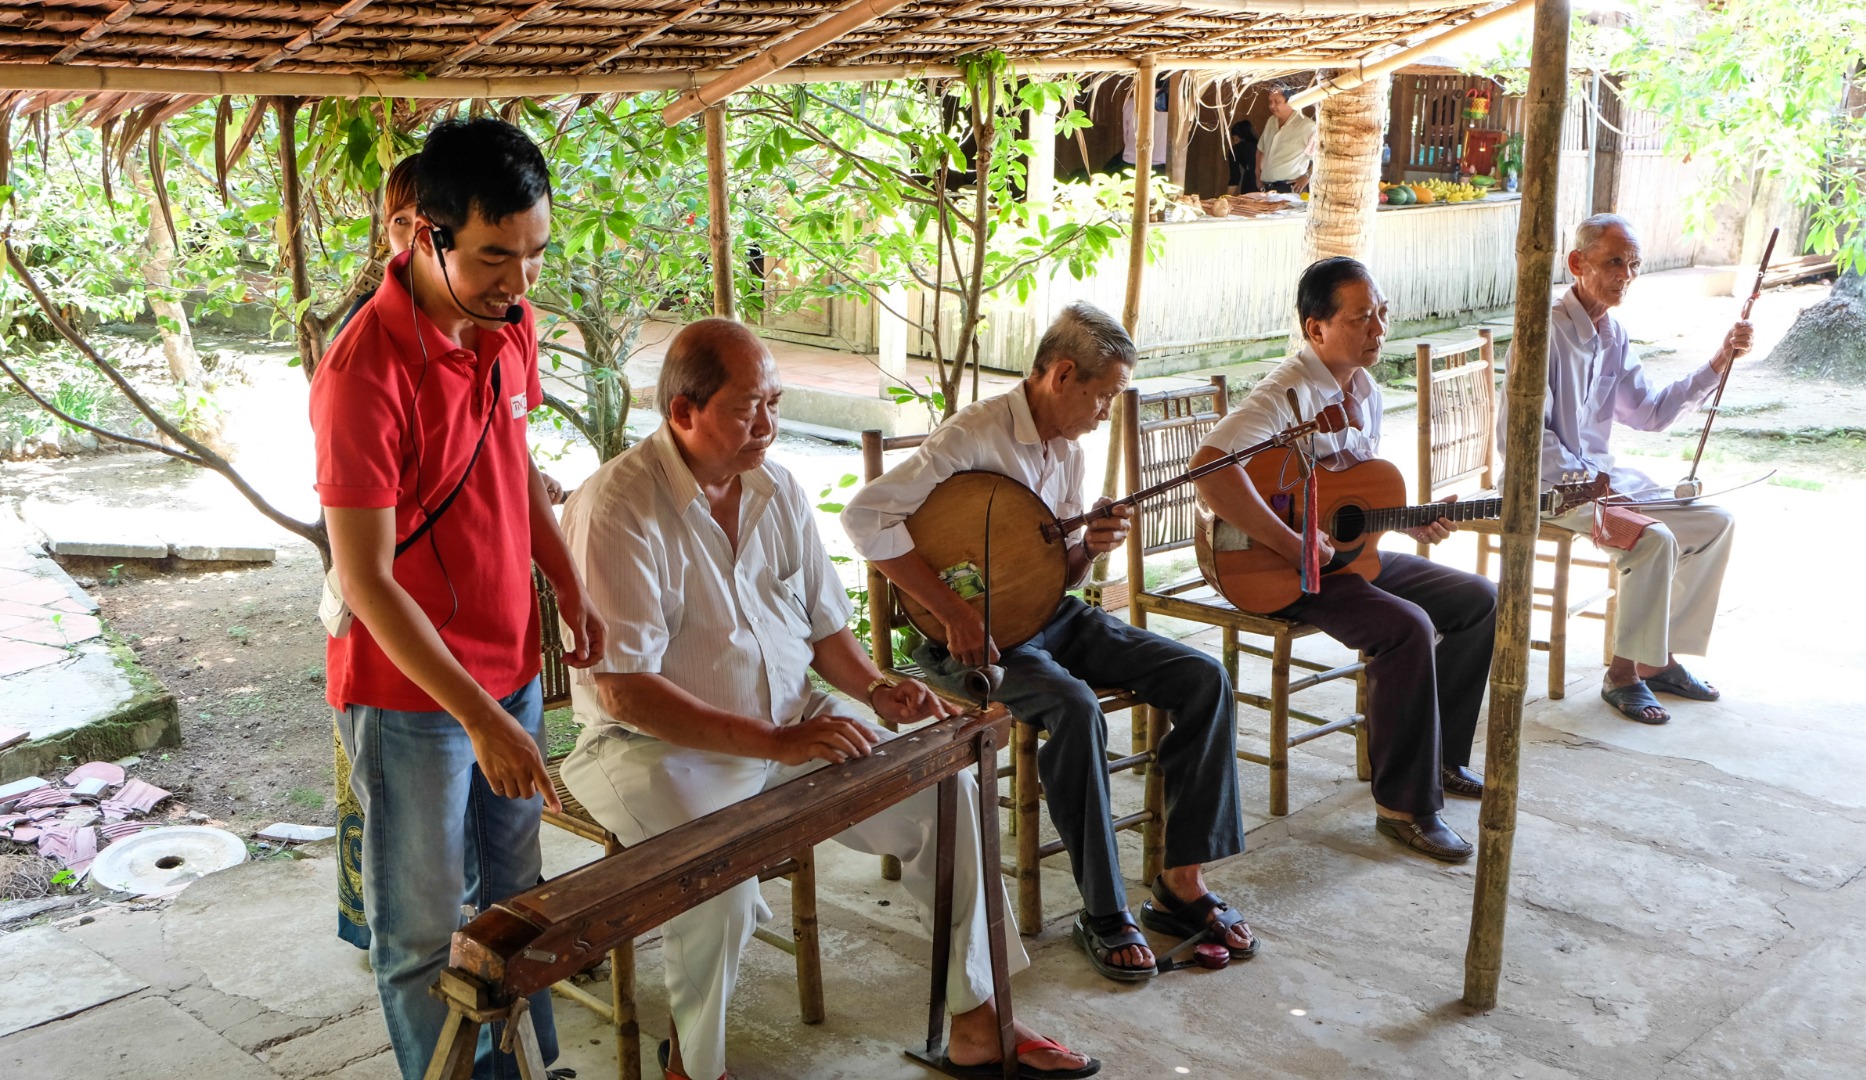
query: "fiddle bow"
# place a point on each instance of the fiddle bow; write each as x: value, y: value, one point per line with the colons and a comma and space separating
x: 1691, y: 487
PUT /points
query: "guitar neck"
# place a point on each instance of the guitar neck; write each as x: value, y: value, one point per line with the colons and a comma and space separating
x: 1413, y: 517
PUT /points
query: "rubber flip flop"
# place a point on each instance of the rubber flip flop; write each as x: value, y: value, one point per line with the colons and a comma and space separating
x: 1678, y: 682
x: 993, y: 1069
x: 1632, y: 700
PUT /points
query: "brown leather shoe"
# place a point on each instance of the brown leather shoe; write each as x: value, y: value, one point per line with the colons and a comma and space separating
x: 1458, y: 780
x: 1427, y: 834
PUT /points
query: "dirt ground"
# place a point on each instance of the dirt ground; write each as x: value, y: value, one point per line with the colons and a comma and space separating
x: 244, y: 654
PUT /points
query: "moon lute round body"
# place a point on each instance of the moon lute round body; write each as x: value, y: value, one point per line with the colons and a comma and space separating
x: 1027, y: 574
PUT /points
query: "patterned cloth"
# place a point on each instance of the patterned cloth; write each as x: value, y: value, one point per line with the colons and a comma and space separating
x: 351, y: 925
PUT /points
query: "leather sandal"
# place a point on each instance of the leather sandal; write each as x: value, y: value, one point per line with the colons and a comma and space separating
x: 1632, y: 700
x: 1427, y: 834
x: 1169, y: 915
x: 1103, y: 936
x: 1458, y: 780
x: 1673, y: 679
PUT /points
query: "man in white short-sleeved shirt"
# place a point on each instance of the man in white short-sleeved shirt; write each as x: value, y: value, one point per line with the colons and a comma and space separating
x: 1426, y: 629
x: 1283, y: 158
x: 720, y: 600
x: 1030, y: 435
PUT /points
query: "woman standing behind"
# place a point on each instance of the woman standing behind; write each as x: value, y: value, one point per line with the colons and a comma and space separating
x: 1243, y: 158
x: 398, y: 220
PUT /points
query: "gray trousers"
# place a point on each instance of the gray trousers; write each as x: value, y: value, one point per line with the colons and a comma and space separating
x: 1047, y: 683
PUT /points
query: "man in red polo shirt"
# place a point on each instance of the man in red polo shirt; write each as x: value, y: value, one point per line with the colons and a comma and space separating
x: 436, y: 515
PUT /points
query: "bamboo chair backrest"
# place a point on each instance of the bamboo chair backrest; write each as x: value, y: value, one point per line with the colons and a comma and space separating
x: 1457, y: 416
x: 1159, y: 433
x: 881, y: 605
x: 554, y: 675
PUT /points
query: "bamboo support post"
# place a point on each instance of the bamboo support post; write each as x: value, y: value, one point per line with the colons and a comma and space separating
x: 291, y: 205
x: 718, y: 219
x: 1177, y: 121
x: 1535, y: 257
x: 1143, y: 193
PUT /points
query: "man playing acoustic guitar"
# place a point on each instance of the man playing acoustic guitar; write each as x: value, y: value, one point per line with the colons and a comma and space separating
x: 1423, y: 697
x: 1030, y: 435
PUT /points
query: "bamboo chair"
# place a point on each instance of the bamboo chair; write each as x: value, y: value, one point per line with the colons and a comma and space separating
x: 1026, y: 799
x: 1159, y: 433
x: 799, y: 869
x: 1457, y: 422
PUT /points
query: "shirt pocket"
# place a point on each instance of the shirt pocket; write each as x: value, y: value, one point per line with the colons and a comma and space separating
x: 792, y: 601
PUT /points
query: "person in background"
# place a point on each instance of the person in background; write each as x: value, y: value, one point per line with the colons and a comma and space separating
x: 1284, y: 151
x: 1242, y: 158
x: 1130, y: 130
x: 398, y: 224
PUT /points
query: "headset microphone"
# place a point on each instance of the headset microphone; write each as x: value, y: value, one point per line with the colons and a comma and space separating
x: 443, y: 238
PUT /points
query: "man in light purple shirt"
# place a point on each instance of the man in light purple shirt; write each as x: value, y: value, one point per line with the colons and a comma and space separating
x: 1669, y: 581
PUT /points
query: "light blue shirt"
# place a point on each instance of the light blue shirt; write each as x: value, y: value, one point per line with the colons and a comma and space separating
x: 1595, y: 379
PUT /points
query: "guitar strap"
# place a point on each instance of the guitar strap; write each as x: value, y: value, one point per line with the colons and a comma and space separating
x: 1310, y: 574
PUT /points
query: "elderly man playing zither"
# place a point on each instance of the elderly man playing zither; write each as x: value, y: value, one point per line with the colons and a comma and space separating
x: 1031, y: 435
x: 721, y: 599
x: 1670, y: 578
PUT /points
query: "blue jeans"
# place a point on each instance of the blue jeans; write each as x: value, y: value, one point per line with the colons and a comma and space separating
x: 436, y: 837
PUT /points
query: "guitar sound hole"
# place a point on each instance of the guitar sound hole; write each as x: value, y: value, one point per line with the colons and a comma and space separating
x: 1350, y: 523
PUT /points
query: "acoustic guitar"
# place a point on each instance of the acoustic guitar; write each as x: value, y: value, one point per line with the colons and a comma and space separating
x: 1359, y: 500
x: 1025, y: 560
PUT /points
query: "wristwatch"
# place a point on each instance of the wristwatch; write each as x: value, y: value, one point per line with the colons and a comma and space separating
x: 869, y: 694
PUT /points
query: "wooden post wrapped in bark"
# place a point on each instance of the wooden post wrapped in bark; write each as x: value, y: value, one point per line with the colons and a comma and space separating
x: 291, y: 207
x: 1536, y: 242
x: 719, y: 210
x: 1345, y: 187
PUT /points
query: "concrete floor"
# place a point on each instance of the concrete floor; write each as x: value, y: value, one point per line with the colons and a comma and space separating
x: 1686, y: 902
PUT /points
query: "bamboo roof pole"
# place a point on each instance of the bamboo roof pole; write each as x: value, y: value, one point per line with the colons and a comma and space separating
x: 718, y: 220
x: 1536, y: 240
x: 1355, y: 76
x: 82, y: 80
x: 855, y: 15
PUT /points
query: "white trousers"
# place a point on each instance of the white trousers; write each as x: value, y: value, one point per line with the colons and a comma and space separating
x: 638, y: 786
x: 1669, y: 582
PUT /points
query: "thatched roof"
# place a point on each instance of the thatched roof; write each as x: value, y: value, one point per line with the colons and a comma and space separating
x: 166, y: 50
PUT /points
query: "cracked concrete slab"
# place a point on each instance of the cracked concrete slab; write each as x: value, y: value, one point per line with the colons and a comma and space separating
x: 45, y: 975
x: 228, y: 925
x: 143, y: 1037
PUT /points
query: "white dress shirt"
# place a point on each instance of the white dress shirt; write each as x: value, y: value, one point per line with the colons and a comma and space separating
x: 734, y: 629
x: 994, y: 435
x: 1265, y: 410
x: 1595, y: 380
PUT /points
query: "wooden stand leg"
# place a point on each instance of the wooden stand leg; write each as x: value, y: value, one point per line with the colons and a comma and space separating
x: 467, y: 1012
x: 1279, y: 725
x: 1028, y: 788
x: 453, y: 1055
x: 622, y: 1000
x: 1612, y: 621
x: 804, y: 933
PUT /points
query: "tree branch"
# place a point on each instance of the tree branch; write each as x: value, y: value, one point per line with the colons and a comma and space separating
x: 568, y: 412
x: 314, y: 532
x: 115, y: 436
